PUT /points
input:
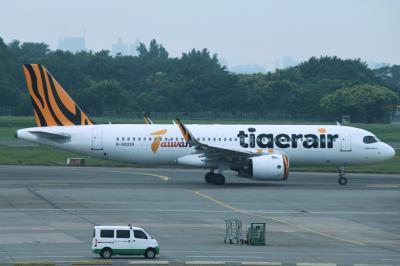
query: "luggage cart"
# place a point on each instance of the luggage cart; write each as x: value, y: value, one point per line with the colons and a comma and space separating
x: 233, y: 231
x: 256, y: 234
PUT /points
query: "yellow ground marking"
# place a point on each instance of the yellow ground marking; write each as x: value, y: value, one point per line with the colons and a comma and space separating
x: 277, y: 220
x: 217, y: 201
x: 162, y: 177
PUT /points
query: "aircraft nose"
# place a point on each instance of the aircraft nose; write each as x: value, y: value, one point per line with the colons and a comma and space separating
x: 389, y: 152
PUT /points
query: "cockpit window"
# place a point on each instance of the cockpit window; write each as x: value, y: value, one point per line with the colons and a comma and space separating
x: 369, y: 139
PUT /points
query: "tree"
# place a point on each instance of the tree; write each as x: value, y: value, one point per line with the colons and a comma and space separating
x: 193, y: 82
x: 100, y: 96
x: 364, y: 103
x: 390, y: 76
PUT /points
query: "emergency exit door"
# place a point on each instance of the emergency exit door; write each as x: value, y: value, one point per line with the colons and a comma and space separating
x: 345, y: 141
x: 97, y: 139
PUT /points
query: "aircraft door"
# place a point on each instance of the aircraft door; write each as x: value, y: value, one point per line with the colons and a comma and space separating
x: 345, y: 141
x: 97, y: 139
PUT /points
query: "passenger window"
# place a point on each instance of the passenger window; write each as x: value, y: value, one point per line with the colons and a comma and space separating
x: 181, y: 139
x: 117, y: 138
x: 230, y: 139
x: 369, y: 139
x: 204, y: 139
x: 177, y: 139
x: 139, y: 234
x: 235, y: 139
x: 224, y: 139
x: 144, y: 139
x: 209, y: 139
x: 133, y: 138
x: 149, y: 139
x: 107, y: 233
x: 219, y: 139
x: 123, y: 139
x: 214, y: 139
x: 123, y: 234
x: 138, y: 139
x: 128, y: 139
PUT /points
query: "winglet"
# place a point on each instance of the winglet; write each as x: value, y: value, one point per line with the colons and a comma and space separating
x: 185, y: 132
x: 147, y: 120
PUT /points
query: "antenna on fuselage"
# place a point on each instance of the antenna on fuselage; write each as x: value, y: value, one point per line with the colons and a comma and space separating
x: 338, y: 124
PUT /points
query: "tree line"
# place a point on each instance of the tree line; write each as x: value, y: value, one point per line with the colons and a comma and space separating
x: 196, y: 81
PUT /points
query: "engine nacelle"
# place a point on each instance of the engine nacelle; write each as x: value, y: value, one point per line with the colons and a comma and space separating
x: 270, y: 167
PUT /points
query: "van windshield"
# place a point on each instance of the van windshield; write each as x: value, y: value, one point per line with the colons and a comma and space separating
x: 139, y: 234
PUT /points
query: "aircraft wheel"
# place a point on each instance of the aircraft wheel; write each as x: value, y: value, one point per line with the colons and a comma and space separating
x: 219, y: 179
x: 342, y: 181
x: 209, y: 177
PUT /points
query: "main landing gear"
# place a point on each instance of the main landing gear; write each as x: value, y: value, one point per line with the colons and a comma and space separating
x: 342, y: 179
x: 214, y: 178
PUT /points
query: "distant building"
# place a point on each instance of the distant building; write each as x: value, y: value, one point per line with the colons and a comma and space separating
x: 119, y: 48
x: 124, y: 48
x: 72, y: 44
x: 376, y: 65
x: 286, y: 62
x: 248, y: 69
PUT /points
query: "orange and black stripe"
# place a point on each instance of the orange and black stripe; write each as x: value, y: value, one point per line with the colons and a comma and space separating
x: 183, y: 129
x: 285, y: 166
x: 147, y: 120
x: 52, y: 106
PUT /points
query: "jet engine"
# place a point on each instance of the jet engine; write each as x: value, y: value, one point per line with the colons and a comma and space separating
x: 271, y: 167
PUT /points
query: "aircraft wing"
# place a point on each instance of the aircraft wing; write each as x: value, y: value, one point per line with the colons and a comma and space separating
x: 213, y: 152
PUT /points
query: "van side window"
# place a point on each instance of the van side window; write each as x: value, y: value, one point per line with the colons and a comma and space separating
x: 123, y: 234
x: 139, y: 234
x: 107, y: 233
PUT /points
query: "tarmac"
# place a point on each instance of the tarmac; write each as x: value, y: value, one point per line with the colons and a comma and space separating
x: 47, y: 214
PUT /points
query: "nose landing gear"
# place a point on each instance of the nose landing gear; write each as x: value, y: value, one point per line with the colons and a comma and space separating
x: 342, y: 178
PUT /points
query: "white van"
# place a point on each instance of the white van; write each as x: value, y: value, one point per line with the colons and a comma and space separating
x: 123, y: 240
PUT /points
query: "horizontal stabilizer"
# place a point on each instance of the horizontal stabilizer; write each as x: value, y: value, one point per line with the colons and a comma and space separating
x: 51, y: 136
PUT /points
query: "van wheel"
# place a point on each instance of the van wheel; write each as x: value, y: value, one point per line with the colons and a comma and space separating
x: 150, y: 253
x: 106, y: 253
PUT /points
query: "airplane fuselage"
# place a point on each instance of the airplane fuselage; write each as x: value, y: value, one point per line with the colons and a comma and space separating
x: 164, y: 144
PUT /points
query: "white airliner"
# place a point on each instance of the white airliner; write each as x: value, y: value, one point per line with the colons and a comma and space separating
x: 260, y: 152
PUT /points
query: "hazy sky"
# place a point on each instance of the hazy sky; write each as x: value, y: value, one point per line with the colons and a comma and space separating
x: 241, y: 32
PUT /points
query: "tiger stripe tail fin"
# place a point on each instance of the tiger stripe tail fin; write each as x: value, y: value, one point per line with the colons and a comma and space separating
x: 52, y: 106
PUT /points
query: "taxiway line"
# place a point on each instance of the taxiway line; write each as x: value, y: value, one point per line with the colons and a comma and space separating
x: 277, y: 220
